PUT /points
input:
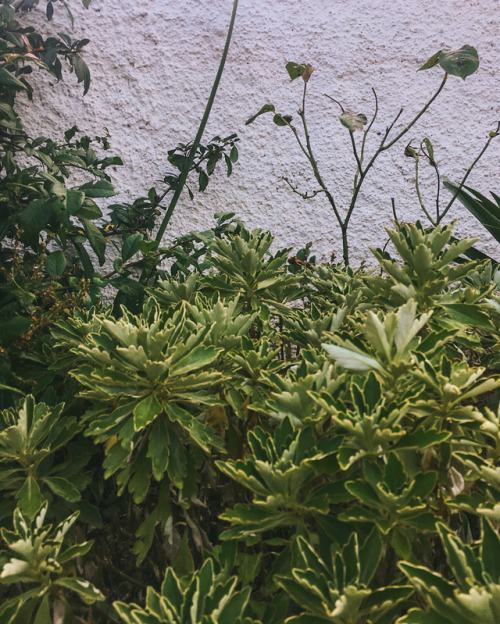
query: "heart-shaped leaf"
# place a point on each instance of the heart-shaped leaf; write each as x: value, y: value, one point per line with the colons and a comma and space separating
x: 463, y: 62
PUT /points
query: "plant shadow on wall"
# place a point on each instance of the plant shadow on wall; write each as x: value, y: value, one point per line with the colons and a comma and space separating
x: 461, y: 63
x: 244, y: 437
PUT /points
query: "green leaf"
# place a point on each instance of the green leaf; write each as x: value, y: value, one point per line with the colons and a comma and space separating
x: 9, y: 80
x: 463, y: 62
x: 430, y: 149
x: 63, y: 488
x: 282, y: 120
x: 158, y: 449
x: 351, y: 360
x: 295, y: 70
x: 74, y: 201
x: 43, y: 613
x: 490, y: 549
x: 127, y: 286
x: 55, y: 263
x: 13, y: 328
x: 102, y: 188
x: 82, y: 72
x: 131, y: 246
x: 485, y: 211
x: 202, y: 181
x: 267, y: 108
x: 353, y: 122
x: 146, y: 411
x: 432, y: 62
x: 233, y: 155
x: 469, y: 314
x: 87, y: 592
x: 183, y: 563
x: 96, y: 240
x: 29, y: 497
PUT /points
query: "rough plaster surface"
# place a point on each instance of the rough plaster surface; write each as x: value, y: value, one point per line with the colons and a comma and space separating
x: 153, y: 63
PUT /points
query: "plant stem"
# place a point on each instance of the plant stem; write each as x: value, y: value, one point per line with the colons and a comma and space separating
x: 383, y: 146
x: 417, y: 117
x: 199, y: 134
x: 419, y: 195
x: 467, y: 173
x: 319, y: 179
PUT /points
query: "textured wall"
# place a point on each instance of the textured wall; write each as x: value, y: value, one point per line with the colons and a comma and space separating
x: 153, y: 62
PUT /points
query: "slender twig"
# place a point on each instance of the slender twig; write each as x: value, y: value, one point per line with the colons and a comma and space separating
x: 358, y: 161
x: 417, y: 117
x: 367, y: 130
x: 312, y: 159
x: 334, y: 100
x: 305, y: 195
x: 467, y: 173
x: 384, y: 146
x: 419, y: 195
x: 433, y: 164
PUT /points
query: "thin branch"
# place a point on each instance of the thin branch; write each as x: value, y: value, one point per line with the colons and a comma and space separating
x: 417, y: 117
x: 353, y: 141
x: 467, y: 173
x: 312, y: 160
x: 365, y: 132
x: 358, y: 161
x: 305, y: 195
x: 417, y: 188
x: 433, y: 164
x: 334, y: 100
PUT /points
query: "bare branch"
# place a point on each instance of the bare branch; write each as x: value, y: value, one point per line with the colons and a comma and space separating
x: 334, y: 100
x: 306, y: 195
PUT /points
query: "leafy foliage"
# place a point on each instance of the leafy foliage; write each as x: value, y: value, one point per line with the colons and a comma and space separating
x: 38, y: 557
x: 247, y: 436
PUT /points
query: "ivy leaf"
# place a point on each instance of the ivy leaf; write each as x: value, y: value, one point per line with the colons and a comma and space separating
x: 462, y: 63
x: 267, y: 108
x: 353, y: 122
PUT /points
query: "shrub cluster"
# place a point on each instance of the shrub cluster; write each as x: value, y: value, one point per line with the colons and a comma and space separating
x: 264, y: 445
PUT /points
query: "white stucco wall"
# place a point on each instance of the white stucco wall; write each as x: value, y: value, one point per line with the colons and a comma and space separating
x: 153, y: 63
